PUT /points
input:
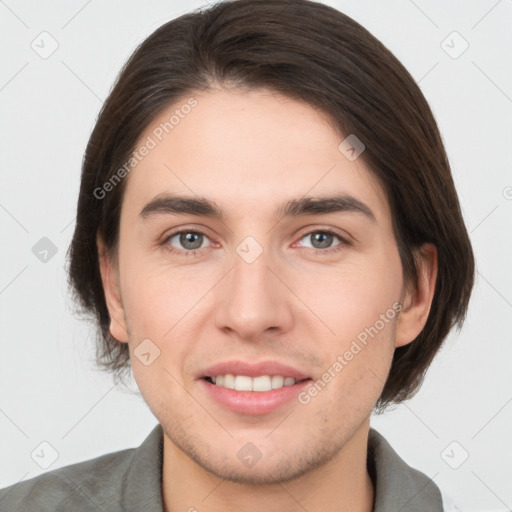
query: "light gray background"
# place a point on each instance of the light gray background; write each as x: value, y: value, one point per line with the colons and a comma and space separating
x: 49, y: 389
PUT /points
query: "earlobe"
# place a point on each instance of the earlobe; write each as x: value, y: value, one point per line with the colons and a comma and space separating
x: 418, y: 301
x: 110, y: 281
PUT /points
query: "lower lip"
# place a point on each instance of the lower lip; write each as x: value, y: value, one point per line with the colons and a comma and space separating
x: 253, y: 402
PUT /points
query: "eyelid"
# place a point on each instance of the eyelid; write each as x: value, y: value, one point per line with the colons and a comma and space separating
x: 316, y: 228
x: 186, y: 228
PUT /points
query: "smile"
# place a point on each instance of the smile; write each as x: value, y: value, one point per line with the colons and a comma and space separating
x: 246, y: 383
x: 251, y: 402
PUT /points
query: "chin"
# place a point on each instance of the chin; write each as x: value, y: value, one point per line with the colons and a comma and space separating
x: 250, y: 466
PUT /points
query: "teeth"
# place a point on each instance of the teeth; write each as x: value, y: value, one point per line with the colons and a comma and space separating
x: 277, y: 382
x: 229, y: 382
x: 245, y: 383
x: 263, y: 383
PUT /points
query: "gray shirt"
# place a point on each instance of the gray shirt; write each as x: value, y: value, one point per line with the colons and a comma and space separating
x: 130, y: 481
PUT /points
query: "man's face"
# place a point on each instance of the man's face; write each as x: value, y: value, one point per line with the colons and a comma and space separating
x: 254, y: 290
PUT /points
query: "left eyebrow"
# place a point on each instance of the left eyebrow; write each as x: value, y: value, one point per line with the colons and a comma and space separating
x: 324, y: 205
x: 169, y: 204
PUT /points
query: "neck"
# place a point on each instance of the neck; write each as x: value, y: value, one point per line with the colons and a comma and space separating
x: 342, y: 483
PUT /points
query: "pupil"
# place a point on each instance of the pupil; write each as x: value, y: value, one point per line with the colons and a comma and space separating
x: 323, y: 238
x: 188, y: 238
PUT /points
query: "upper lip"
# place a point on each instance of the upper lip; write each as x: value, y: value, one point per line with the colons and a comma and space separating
x: 253, y: 369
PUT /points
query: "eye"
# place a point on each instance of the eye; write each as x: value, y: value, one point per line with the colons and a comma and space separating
x: 321, y: 241
x: 188, y: 242
x: 191, y: 241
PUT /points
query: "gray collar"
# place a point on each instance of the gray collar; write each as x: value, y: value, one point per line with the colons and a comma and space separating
x: 398, y: 487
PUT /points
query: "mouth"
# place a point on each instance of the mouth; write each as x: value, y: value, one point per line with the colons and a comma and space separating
x: 260, y: 383
x: 253, y: 389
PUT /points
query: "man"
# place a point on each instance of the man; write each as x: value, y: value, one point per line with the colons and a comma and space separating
x: 269, y: 236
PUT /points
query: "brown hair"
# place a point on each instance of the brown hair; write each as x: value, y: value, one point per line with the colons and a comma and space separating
x: 309, y: 52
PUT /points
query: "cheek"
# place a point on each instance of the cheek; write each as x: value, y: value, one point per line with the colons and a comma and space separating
x: 360, y: 306
x: 161, y: 304
x: 353, y: 297
x: 356, y: 367
x: 156, y: 296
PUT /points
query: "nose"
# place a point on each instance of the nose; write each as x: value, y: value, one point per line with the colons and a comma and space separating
x: 254, y: 298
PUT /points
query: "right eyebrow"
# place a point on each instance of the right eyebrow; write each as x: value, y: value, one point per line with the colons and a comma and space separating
x: 168, y: 203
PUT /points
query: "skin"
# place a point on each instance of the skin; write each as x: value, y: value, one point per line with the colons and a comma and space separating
x: 250, y: 151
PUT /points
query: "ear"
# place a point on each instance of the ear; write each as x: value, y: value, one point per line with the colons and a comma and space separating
x: 110, y: 279
x: 418, y: 300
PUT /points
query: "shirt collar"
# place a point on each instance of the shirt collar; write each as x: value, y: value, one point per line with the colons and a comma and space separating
x: 398, y: 487
x: 142, y: 487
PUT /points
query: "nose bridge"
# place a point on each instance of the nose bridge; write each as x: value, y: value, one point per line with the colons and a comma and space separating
x: 253, y: 298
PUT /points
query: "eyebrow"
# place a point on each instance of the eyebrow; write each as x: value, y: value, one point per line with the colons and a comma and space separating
x: 323, y: 205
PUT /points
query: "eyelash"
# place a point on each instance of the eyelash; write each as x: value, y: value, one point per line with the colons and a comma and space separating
x: 179, y: 252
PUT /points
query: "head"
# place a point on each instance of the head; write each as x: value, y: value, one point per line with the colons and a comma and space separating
x: 267, y: 182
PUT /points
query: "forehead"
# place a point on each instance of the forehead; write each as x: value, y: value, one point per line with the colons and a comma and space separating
x: 247, y: 150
